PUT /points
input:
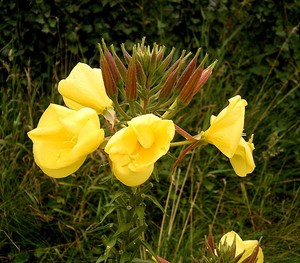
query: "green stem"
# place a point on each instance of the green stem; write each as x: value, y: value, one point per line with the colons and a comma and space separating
x: 171, y: 111
x: 132, y: 108
x: 187, y: 142
x: 119, y: 109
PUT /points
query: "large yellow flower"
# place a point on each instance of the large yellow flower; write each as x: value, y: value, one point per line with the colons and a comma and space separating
x: 242, y: 160
x: 247, y: 246
x: 225, y: 132
x: 226, y: 129
x: 64, y: 138
x: 84, y: 87
x: 134, y: 150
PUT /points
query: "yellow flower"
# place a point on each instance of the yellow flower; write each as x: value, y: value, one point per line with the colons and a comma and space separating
x: 84, y: 87
x: 242, y: 160
x: 226, y: 129
x: 247, y: 246
x: 64, y: 138
x: 134, y: 150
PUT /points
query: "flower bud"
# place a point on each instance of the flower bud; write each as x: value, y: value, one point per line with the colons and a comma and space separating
x: 112, y: 66
x: 187, y: 92
x: 141, y: 76
x: 119, y: 63
x: 165, y: 63
x: 153, y: 60
x: 131, y: 78
x: 109, y: 82
x: 126, y: 54
x: 168, y: 85
x: 187, y: 72
x: 177, y: 65
x: 206, y: 73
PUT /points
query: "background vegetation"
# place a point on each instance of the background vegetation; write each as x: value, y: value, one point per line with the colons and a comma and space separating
x: 257, y: 46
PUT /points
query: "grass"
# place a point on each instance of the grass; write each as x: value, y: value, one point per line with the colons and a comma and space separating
x: 48, y: 220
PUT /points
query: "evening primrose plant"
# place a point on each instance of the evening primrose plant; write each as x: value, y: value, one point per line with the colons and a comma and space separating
x: 136, y: 101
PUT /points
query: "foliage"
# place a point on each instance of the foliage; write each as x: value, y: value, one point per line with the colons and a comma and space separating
x: 256, y: 44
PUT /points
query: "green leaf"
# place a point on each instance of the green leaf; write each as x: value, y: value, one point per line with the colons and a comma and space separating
x: 122, y: 228
x: 154, y: 201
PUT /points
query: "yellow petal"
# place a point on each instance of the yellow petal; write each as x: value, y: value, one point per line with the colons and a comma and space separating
x: 242, y: 160
x: 229, y: 238
x: 247, y: 246
x: 122, y: 142
x: 84, y: 87
x: 63, y: 139
x: 130, y: 177
x: 56, y: 162
x: 134, y: 150
x: 260, y: 256
x: 226, y: 128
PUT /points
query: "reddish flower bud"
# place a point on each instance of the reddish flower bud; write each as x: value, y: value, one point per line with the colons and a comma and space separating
x: 188, y: 71
x: 162, y: 260
x: 204, y: 76
x: 141, y: 76
x: 187, y: 92
x: 163, y: 66
x: 168, y: 85
x: 126, y: 54
x: 119, y: 63
x: 113, y: 68
x: 211, y: 242
x: 109, y: 82
x: 131, y: 78
x: 160, y: 55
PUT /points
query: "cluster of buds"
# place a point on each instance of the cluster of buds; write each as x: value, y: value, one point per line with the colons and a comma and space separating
x: 231, y: 249
x: 151, y: 81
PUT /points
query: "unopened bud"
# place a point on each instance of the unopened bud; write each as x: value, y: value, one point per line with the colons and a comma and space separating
x: 141, y: 76
x: 186, y: 75
x: 112, y: 66
x: 153, y: 59
x: 126, y: 54
x: 210, y: 241
x: 160, y: 54
x: 119, y: 63
x: 187, y: 92
x: 204, y: 77
x: 165, y: 63
x: 168, y: 85
x: 177, y: 65
x: 131, y: 78
x: 109, y: 83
